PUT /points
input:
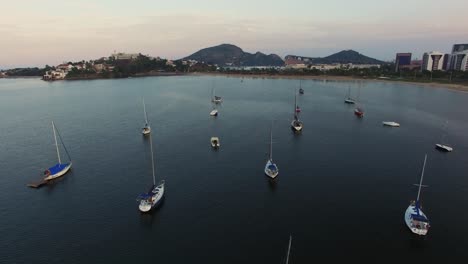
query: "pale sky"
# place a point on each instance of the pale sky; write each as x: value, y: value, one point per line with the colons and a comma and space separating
x: 39, y: 32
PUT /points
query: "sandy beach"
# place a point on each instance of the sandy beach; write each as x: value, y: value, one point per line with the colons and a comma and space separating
x: 455, y: 87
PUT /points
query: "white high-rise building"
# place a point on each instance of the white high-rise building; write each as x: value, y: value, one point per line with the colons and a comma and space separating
x: 433, y: 61
x: 459, y: 61
x: 459, y: 57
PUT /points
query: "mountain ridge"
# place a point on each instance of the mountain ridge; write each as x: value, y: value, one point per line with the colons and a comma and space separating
x: 232, y: 55
x: 344, y: 56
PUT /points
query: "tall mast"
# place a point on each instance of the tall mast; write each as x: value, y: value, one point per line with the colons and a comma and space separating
x: 212, y: 90
x: 289, y: 249
x: 152, y: 159
x: 56, y: 144
x: 442, y: 138
x: 422, y: 176
x: 295, y: 103
x: 144, y: 109
x: 271, y: 141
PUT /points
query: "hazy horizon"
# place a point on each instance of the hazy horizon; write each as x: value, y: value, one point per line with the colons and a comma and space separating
x: 52, y: 31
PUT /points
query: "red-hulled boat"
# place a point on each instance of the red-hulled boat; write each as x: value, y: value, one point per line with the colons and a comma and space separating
x: 298, y: 109
x: 358, y: 112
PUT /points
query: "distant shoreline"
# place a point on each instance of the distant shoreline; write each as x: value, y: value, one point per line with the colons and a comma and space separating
x: 450, y: 86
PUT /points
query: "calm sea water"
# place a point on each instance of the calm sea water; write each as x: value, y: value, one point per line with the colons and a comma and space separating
x: 343, y: 187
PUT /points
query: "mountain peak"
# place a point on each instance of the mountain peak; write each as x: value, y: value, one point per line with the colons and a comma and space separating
x: 351, y: 56
x: 229, y: 54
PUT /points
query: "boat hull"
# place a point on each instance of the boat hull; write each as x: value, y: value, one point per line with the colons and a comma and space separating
x: 146, y: 131
x: 419, y: 229
x: 58, y: 174
x: 271, y: 173
x: 443, y: 148
x: 296, y: 127
x: 214, y: 113
x: 215, y: 142
x: 358, y: 113
x: 390, y: 124
x: 146, y: 206
x: 349, y: 101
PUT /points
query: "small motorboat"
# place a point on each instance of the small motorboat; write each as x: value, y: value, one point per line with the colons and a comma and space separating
x: 390, y: 124
x: 215, y: 142
x: 445, y: 148
x: 214, y: 112
x: 358, y: 112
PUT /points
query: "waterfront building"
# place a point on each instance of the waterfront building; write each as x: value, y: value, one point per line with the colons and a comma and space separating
x: 402, y: 60
x: 458, y: 58
x: 459, y: 61
x: 433, y: 61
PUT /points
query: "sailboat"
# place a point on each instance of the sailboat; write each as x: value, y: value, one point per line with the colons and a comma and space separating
x: 441, y: 146
x: 296, y: 124
x: 301, y: 91
x: 271, y: 170
x: 358, y: 111
x: 146, y: 128
x: 348, y: 98
x: 289, y: 249
x: 415, y: 219
x: 60, y: 168
x: 216, y: 99
x: 153, y: 197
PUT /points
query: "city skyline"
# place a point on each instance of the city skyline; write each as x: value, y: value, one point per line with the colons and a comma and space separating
x: 52, y: 31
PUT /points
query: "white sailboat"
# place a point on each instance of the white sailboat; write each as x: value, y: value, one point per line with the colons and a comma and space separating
x: 296, y: 124
x: 348, y: 98
x: 146, y: 128
x: 301, y: 91
x: 271, y: 170
x: 214, y: 111
x: 441, y: 146
x: 415, y: 219
x: 358, y: 111
x: 153, y: 197
x: 60, y: 168
x: 215, y: 99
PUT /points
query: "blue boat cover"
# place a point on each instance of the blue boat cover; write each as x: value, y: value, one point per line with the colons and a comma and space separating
x: 147, y: 195
x: 57, y: 168
x: 272, y: 167
x: 419, y: 218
